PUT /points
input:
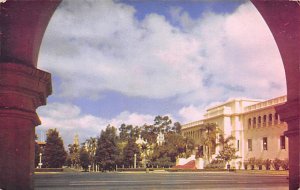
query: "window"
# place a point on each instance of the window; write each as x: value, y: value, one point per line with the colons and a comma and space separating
x: 276, y: 118
x: 282, y: 142
x: 265, y: 143
x: 238, y: 145
x: 270, y: 119
x: 249, y: 123
x: 264, y: 120
x: 249, y: 144
x: 259, y: 121
x: 254, y: 122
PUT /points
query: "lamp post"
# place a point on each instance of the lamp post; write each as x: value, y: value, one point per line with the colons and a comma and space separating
x: 40, y: 164
x: 134, y: 164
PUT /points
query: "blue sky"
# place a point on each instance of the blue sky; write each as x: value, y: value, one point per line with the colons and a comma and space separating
x: 115, y: 62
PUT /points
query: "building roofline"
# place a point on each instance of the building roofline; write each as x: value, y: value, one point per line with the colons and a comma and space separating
x: 234, y: 100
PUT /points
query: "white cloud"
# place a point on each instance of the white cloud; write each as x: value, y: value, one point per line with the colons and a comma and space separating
x: 69, y: 120
x: 134, y: 119
x: 106, y: 48
x: 191, y: 113
x: 97, y: 46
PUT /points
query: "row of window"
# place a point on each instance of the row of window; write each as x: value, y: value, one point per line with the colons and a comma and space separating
x: 194, y: 134
x: 263, y: 120
x: 265, y: 143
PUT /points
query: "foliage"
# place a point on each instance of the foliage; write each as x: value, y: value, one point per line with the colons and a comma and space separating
x: 55, y: 154
x: 84, y: 158
x: 177, y: 128
x: 91, y: 147
x: 160, y: 156
x: 216, y: 164
x: 163, y: 123
x: 276, y: 163
x: 246, y: 163
x: 259, y: 162
x: 107, y: 150
x: 130, y: 149
x: 285, y: 164
x: 251, y: 162
x: 73, y: 157
x: 175, y: 146
x: 149, y: 132
x: 128, y: 132
x: 209, y: 138
x: 164, y: 162
x: 227, y: 152
x: 267, y: 163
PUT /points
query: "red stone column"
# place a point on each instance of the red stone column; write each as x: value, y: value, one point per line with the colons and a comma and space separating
x: 289, y: 113
x: 283, y: 19
x: 22, y: 90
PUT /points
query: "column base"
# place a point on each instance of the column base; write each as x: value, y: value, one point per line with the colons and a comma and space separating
x: 16, y: 150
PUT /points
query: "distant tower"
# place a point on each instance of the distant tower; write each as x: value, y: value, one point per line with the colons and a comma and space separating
x: 160, y: 139
x: 76, y: 140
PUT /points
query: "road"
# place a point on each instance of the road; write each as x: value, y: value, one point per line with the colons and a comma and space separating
x: 122, y: 181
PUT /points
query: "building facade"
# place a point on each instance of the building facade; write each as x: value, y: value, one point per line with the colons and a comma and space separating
x: 256, y: 126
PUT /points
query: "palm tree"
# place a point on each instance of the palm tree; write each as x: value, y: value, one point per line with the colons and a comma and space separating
x: 227, y: 152
x: 91, y: 146
x: 209, y: 139
x: 224, y: 141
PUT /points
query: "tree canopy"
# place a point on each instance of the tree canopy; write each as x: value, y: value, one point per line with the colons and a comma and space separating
x: 54, y: 153
x: 107, y: 149
x: 227, y: 152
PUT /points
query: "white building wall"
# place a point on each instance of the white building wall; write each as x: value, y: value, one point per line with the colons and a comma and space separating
x: 232, y: 118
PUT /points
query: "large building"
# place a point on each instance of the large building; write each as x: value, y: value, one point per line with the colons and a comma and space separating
x: 256, y: 126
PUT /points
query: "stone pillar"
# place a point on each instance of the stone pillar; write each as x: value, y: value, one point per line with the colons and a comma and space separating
x: 290, y: 114
x: 283, y: 19
x: 22, y: 90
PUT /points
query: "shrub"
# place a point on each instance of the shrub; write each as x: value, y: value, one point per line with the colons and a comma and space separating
x: 251, y: 162
x: 276, y: 163
x: 246, y: 164
x: 216, y: 164
x: 285, y: 164
x: 240, y: 165
x: 267, y: 163
x: 259, y: 163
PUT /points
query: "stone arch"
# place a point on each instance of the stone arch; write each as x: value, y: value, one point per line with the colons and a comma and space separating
x: 24, y: 88
x: 283, y: 19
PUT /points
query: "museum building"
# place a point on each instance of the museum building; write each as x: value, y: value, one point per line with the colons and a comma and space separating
x: 256, y: 126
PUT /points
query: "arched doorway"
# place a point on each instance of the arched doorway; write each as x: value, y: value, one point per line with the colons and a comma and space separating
x: 18, y: 66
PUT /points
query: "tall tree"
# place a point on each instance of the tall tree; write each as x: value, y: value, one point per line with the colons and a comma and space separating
x: 128, y: 132
x: 73, y: 156
x: 91, y: 147
x: 209, y: 139
x: 177, y: 127
x: 107, y: 149
x: 84, y: 158
x: 149, y: 133
x: 163, y: 123
x: 128, y: 156
x: 54, y: 153
x: 175, y: 146
x: 227, y: 152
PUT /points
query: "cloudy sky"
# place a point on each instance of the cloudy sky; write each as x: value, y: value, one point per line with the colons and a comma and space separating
x: 115, y: 62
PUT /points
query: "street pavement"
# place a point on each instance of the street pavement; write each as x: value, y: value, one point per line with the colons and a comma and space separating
x: 160, y: 180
